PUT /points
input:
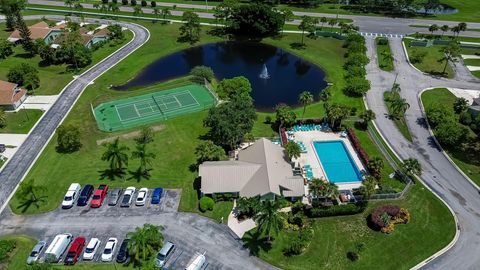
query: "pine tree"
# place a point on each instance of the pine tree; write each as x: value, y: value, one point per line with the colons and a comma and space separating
x: 27, y: 42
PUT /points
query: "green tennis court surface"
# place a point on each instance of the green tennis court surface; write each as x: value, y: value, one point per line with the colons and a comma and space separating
x: 140, y: 110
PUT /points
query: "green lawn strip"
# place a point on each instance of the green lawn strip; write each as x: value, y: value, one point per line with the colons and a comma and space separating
x: 400, y: 123
x: 430, y: 229
x: 21, y: 121
x: 428, y: 26
x: 467, y: 11
x: 430, y: 62
x: 384, y: 63
x: 472, y: 62
x: 18, y: 257
x: 468, y: 164
x: 53, y: 78
x: 470, y: 51
x: 476, y: 73
x: 220, y: 210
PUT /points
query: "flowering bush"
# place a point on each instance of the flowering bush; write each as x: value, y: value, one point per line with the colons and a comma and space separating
x: 384, y: 218
x: 358, y: 146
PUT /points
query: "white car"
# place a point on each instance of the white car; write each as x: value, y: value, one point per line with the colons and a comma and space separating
x: 107, y: 255
x: 128, y: 197
x: 141, y: 197
x: 91, y: 249
x: 71, y: 196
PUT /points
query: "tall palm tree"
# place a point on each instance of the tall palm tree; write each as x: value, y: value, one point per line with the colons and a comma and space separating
x: 113, y: 7
x: 433, y: 28
x: 96, y: 6
x: 293, y: 150
x: 367, y: 116
x: 137, y: 11
x: 450, y: 53
x: 412, y: 166
x: 323, y: 189
x: 462, y: 27
x: 444, y: 29
x: 315, y: 187
x: 116, y: 155
x: 305, y: 98
x: 144, y: 156
x: 165, y: 12
x: 375, y: 165
x: 368, y: 187
x: 399, y: 107
x: 268, y: 219
x: 156, y: 12
x: 330, y: 190
x: 144, y: 242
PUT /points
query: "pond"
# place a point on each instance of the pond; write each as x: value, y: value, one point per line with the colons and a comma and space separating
x: 288, y: 75
x: 441, y: 9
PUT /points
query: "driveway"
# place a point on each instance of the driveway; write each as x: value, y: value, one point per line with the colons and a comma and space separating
x: 438, y: 173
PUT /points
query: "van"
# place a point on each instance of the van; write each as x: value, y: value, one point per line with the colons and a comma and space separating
x: 71, y: 196
x: 58, y: 246
x: 197, y: 262
x: 164, y: 254
x: 85, y: 195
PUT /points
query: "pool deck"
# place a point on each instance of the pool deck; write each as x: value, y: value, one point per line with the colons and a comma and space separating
x: 308, y: 137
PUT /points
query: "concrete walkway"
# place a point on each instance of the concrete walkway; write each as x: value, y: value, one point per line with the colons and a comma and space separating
x: 39, y: 102
x: 13, y: 141
x: 470, y: 56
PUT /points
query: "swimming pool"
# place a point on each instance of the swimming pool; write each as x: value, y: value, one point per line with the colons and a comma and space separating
x: 337, y: 162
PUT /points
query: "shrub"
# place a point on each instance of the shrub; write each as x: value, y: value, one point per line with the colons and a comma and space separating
x: 124, y: 2
x: 358, y: 147
x: 352, y: 256
x: 465, y: 118
x: 300, y: 243
x: 6, y: 246
x: 18, y: 73
x: 356, y: 86
x: 6, y: 49
x: 384, y: 218
x: 144, y: 3
x: 451, y: 133
x: 335, y: 210
x: 105, y: 1
x: 268, y: 119
x: 416, y: 57
x: 382, y: 41
x: 133, y: 2
x: 68, y: 138
x: 206, y: 203
x: 153, y: 4
x: 437, y: 115
x: 202, y: 72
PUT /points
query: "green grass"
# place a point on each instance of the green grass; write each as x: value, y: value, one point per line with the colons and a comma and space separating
x: 430, y: 229
x: 472, y: 62
x: 469, y: 163
x: 220, y: 210
x: 430, y: 62
x: 53, y: 78
x: 476, y: 73
x: 21, y: 121
x: 18, y: 257
x: 385, y: 63
x: 400, y: 123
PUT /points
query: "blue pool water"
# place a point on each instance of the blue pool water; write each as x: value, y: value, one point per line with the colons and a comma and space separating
x: 337, y: 162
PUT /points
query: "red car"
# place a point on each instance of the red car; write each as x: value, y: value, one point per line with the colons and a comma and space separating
x: 98, y: 196
x: 75, y: 250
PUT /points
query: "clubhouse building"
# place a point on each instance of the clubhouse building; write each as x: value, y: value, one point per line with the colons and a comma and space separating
x: 262, y: 169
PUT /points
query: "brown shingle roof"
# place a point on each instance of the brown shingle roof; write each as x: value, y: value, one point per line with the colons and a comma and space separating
x: 38, y: 30
x: 8, y: 95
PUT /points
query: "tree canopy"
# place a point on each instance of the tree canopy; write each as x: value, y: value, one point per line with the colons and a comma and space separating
x: 234, y: 87
x: 255, y: 20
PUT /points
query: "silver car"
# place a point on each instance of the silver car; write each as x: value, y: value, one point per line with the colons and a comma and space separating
x: 113, y: 196
x: 37, y: 249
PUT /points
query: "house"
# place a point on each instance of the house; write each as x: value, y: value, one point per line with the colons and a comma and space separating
x: 261, y: 169
x: 89, y: 38
x: 475, y: 107
x: 11, y: 96
x: 39, y: 30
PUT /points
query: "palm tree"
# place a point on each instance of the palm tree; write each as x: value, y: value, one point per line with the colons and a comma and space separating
x: 116, y: 155
x: 399, y: 106
x: 3, y: 118
x: 323, y: 189
x: 367, y: 116
x: 411, y: 166
x: 450, y: 52
x: 305, y: 98
x: 444, y: 29
x: 104, y: 8
x: 144, y: 242
x: 165, y: 12
x: 293, y: 150
x: 144, y: 156
x: 323, y: 20
x: 433, y: 28
x: 456, y: 30
x: 113, y: 7
x: 462, y: 27
x: 387, y: 56
x: 368, y: 187
x: 69, y: 3
x: 315, y: 187
x: 268, y: 219
x: 330, y: 191
x: 375, y: 166
x: 137, y: 10
x: 156, y: 11
x: 96, y: 6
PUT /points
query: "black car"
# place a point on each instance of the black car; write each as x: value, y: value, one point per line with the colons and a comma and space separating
x: 85, y: 195
x: 123, y: 256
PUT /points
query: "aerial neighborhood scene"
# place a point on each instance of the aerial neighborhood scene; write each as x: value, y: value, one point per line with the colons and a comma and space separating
x: 239, y: 134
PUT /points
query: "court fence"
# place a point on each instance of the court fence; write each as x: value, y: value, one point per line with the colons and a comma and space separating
x: 210, y: 89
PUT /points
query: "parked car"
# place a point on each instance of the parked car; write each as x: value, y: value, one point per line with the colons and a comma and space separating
x: 71, y: 196
x: 87, y: 192
x: 128, y: 196
x: 109, y: 250
x: 75, y: 250
x: 2, y: 147
x: 91, y: 249
x: 98, y: 196
x: 113, y: 196
x: 123, y: 256
x: 141, y: 197
x: 156, y: 195
x: 37, y: 249
x: 58, y: 247
x: 197, y: 262
x: 164, y: 254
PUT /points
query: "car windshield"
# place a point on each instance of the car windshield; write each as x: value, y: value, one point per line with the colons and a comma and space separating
x: 160, y: 257
x: 126, y: 198
x: 96, y: 197
x: 71, y: 254
x: 33, y: 254
x: 68, y: 198
x: 107, y: 251
x: 89, y: 250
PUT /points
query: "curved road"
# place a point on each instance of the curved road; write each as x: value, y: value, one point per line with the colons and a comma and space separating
x: 438, y: 173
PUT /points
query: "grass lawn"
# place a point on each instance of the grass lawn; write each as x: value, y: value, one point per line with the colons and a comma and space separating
x: 431, y: 228
x: 21, y: 121
x: 17, y: 259
x: 468, y: 163
x: 384, y: 62
x: 476, y: 73
x: 430, y: 62
x: 472, y: 62
x: 400, y: 123
x: 220, y: 210
x: 53, y: 78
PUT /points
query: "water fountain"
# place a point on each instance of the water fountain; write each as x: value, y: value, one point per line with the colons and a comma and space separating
x: 264, y: 74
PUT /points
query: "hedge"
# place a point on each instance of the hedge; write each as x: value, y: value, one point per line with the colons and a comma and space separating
x: 358, y: 146
x: 206, y: 203
x: 336, y: 210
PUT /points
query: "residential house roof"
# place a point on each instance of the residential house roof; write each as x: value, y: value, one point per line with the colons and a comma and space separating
x: 259, y: 170
x: 38, y: 30
x: 10, y: 93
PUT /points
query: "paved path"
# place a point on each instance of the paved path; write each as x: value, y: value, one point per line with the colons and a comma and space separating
x: 367, y: 24
x: 438, y: 173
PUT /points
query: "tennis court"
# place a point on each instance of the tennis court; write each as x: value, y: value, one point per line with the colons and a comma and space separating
x: 140, y: 110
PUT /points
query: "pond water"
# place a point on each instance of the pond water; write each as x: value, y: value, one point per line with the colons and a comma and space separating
x: 288, y: 75
x: 441, y: 9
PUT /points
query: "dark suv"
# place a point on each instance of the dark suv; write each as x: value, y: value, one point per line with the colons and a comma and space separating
x: 85, y: 195
x: 123, y: 256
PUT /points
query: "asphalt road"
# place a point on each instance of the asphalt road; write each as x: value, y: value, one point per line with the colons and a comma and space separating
x: 367, y: 24
x: 438, y: 173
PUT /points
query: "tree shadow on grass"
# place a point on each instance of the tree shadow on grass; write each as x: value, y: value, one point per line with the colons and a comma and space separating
x: 255, y: 242
x: 112, y: 174
x: 26, y: 203
x: 139, y: 175
x: 297, y: 46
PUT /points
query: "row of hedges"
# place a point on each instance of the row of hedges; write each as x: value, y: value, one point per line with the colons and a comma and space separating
x: 336, y: 210
x: 358, y: 146
x: 356, y: 84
